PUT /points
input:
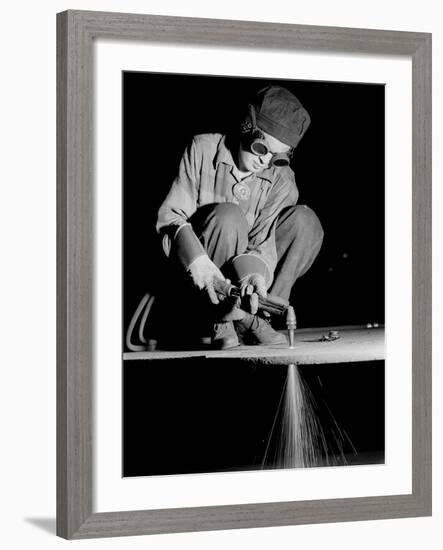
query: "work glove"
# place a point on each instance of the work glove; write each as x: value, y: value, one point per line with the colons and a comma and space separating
x: 252, y: 286
x: 204, y: 274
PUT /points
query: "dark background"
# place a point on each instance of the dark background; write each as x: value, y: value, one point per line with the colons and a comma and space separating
x: 188, y: 417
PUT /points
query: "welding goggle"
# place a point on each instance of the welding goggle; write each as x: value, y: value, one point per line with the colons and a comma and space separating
x: 259, y: 147
x: 256, y: 143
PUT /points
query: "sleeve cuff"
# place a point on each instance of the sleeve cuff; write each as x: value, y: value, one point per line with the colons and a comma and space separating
x: 247, y: 264
x: 186, y: 245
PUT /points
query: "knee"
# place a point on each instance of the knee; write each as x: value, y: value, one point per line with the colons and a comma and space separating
x: 301, y: 218
x: 307, y: 218
x: 228, y: 215
x: 224, y: 219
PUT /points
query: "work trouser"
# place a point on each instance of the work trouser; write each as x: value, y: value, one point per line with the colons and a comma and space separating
x: 223, y: 230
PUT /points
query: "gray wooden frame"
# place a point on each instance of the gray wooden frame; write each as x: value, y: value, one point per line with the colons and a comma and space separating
x: 76, y: 31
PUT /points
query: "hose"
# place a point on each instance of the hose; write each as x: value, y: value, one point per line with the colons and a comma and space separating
x: 143, y: 310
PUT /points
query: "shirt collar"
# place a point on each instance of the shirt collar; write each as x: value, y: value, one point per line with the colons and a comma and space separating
x: 224, y: 155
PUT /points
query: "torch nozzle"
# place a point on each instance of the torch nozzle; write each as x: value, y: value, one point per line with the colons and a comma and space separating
x: 291, y: 324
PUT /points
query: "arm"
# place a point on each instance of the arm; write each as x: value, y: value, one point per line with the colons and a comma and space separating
x: 172, y: 221
x: 181, y: 201
x: 255, y: 268
x: 178, y: 207
x: 262, y: 235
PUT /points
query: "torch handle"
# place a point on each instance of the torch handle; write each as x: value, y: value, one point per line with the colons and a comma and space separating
x: 271, y: 304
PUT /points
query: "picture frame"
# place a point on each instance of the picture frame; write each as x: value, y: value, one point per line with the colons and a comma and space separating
x: 76, y: 32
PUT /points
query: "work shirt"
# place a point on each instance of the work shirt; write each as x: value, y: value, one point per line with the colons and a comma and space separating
x: 208, y: 174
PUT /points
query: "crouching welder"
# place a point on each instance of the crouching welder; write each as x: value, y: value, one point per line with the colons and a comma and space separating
x: 232, y: 212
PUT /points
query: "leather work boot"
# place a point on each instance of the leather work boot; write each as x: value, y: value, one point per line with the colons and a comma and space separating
x: 224, y: 336
x: 256, y: 330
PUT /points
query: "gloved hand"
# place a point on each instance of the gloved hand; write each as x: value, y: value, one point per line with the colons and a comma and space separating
x: 253, y: 286
x: 204, y: 273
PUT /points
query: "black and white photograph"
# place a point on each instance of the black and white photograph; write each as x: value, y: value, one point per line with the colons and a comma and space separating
x: 253, y: 274
x: 221, y: 306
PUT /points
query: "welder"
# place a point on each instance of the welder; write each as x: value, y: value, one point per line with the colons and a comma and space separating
x: 232, y: 213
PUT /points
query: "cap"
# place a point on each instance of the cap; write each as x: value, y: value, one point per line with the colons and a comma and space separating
x: 279, y: 113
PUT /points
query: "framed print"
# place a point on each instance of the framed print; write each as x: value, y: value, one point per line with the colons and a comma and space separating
x: 201, y: 385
